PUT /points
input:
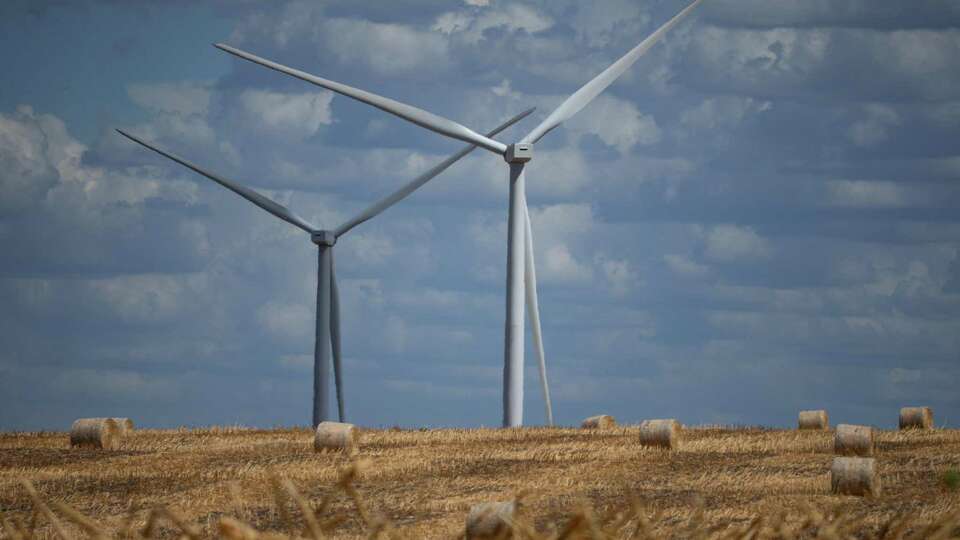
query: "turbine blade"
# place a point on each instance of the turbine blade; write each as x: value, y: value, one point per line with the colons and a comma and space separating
x: 335, y: 336
x: 533, y: 311
x: 592, y: 89
x: 415, y: 184
x: 410, y: 113
x: 269, y: 205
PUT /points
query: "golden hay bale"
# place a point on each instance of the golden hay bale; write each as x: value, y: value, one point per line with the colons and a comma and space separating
x: 814, y: 420
x: 851, y: 440
x: 663, y: 433
x: 336, y: 436
x: 916, y: 418
x: 490, y: 520
x: 125, y: 425
x: 600, y: 421
x: 855, y: 476
x: 95, y: 432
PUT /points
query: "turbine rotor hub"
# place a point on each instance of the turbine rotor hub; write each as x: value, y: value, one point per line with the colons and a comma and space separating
x: 519, y: 153
x: 323, y: 238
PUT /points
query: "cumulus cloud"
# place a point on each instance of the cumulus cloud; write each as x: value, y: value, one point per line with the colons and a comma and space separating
x: 620, y: 275
x: 618, y: 123
x: 554, y: 228
x: 875, y: 127
x: 470, y: 26
x: 865, y: 194
x: 299, y: 115
x: 386, y: 49
x: 720, y: 114
x: 128, y: 303
x: 683, y: 265
x: 26, y: 171
x: 856, y: 13
x: 291, y: 323
x: 791, y: 62
x: 178, y: 98
x: 730, y: 243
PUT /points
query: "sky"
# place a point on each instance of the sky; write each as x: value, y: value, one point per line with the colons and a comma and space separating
x: 761, y: 216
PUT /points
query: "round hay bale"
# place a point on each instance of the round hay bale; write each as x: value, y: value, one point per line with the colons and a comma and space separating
x: 916, y: 418
x: 336, y: 436
x: 490, y: 520
x: 814, y: 420
x: 601, y: 421
x: 125, y: 425
x: 850, y: 440
x: 855, y: 476
x: 95, y: 433
x: 663, y: 433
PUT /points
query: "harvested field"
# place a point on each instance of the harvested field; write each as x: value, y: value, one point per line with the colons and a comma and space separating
x: 425, y: 482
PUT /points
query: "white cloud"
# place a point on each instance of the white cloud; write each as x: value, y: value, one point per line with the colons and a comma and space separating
x: 729, y: 243
x: 787, y: 61
x: 617, y: 122
x: 512, y: 17
x: 26, y: 172
x: 147, y: 298
x: 559, y: 265
x: 598, y: 24
x: 288, y: 323
x: 620, y: 276
x: 385, y: 49
x: 719, y: 114
x: 865, y: 194
x: 554, y: 228
x: 553, y: 173
x: 371, y: 248
x: 685, y: 266
x: 761, y: 57
x: 875, y: 127
x: 183, y: 98
x: 300, y: 115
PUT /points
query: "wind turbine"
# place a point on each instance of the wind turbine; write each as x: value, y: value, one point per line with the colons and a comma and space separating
x: 327, y: 335
x: 521, y: 273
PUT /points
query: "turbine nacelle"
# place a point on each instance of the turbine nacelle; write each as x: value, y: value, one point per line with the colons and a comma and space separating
x: 518, y: 153
x: 323, y: 238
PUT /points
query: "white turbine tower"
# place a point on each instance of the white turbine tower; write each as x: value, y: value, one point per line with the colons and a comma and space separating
x: 327, y: 336
x: 521, y: 274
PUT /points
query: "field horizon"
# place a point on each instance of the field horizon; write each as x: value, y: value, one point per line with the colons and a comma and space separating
x: 421, y: 483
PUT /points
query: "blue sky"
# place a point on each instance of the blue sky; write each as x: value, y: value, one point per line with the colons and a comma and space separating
x: 761, y: 216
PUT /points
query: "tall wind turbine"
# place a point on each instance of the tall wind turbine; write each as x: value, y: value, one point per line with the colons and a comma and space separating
x: 327, y: 335
x: 521, y: 274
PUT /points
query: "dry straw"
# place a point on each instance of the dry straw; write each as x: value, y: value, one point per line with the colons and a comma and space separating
x: 814, y: 420
x: 491, y: 520
x: 321, y: 521
x: 125, y: 425
x: 96, y: 433
x: 916, y: 418
x: 855, y: 476
x: 663, y: 433
x: 851, y: 440
x: 336, y: 436
x: 600, y: 421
